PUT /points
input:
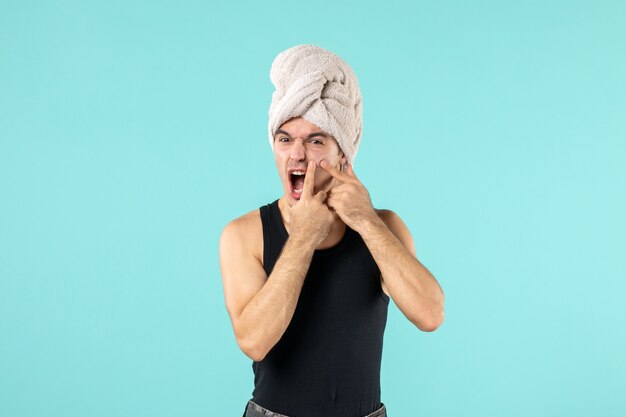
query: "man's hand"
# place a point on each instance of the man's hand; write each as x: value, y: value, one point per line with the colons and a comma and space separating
x: 310, y: 218
x: 349, y: 197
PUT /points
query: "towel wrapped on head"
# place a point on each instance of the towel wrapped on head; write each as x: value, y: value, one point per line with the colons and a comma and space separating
x: 319, y: 86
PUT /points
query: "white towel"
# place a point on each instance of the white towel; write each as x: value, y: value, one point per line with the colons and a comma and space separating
x: 319, y: 86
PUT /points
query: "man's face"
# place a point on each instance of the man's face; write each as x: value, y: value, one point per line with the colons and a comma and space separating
x: 295, y: 144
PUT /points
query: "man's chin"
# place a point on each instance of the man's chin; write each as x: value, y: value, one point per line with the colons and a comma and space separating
x: 293, y: 197
x: 296, y: 196
x: 291, y: 201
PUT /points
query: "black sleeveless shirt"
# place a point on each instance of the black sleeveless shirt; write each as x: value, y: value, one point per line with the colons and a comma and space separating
x: 327, y: 362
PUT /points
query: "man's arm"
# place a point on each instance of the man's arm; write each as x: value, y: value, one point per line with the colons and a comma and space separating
x: 412, y: 287
x: 261, y: 308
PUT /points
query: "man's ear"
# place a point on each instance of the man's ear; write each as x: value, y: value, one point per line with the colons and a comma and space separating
x: 342, y: 162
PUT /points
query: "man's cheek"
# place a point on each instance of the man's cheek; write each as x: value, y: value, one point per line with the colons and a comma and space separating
x: 326, y: 184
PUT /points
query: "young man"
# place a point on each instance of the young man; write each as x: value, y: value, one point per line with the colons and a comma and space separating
x: 307, y: 278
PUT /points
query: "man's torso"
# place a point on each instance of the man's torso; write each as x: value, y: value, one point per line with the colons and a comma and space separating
x: 328, y: 360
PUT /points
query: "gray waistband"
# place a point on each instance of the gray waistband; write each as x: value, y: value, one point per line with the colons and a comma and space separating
x: 255, y: 410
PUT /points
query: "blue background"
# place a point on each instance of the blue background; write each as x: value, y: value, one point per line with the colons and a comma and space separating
x: 132, y: 132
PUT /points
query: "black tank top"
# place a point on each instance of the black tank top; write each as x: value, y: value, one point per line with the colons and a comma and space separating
x: 327, y: 362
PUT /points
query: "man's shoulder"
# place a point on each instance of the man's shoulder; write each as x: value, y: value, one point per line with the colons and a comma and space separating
x: 386, y: 214
x: 244, y: 224
x: 393, y: 221
x: 397, y: 226
x: 244, y: 233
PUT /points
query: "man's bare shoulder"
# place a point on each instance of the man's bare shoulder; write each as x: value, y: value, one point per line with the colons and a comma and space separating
x: 246, y: 230
x: 245, y: 221
x: 389, y: 217
x: 395, y: 224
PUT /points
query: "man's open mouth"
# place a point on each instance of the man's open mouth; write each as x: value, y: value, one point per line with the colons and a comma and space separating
x: 297, y: 181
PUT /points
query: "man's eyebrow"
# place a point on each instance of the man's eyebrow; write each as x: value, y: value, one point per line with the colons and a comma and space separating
x: 310, y: 136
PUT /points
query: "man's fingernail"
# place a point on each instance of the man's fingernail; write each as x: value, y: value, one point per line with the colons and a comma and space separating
x: 311, y: 163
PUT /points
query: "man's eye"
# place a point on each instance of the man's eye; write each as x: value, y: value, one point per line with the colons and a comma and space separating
x: 317, y: 142
x: 283, y: 139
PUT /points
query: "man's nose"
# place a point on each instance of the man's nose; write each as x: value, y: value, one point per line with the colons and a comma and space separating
x: 298, y: 151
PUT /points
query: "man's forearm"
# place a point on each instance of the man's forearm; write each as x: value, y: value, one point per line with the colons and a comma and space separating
x: 413, y: 288
x: 266, y: 317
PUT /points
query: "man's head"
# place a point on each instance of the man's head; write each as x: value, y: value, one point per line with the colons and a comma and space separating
x: 297, y: 142
x: 318, y: 86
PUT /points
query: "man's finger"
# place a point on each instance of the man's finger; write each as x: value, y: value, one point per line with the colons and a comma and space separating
x: 309, y: 179
x: 334, y: 171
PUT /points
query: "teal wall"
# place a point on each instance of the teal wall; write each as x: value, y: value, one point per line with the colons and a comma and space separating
x: 132, y: 132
